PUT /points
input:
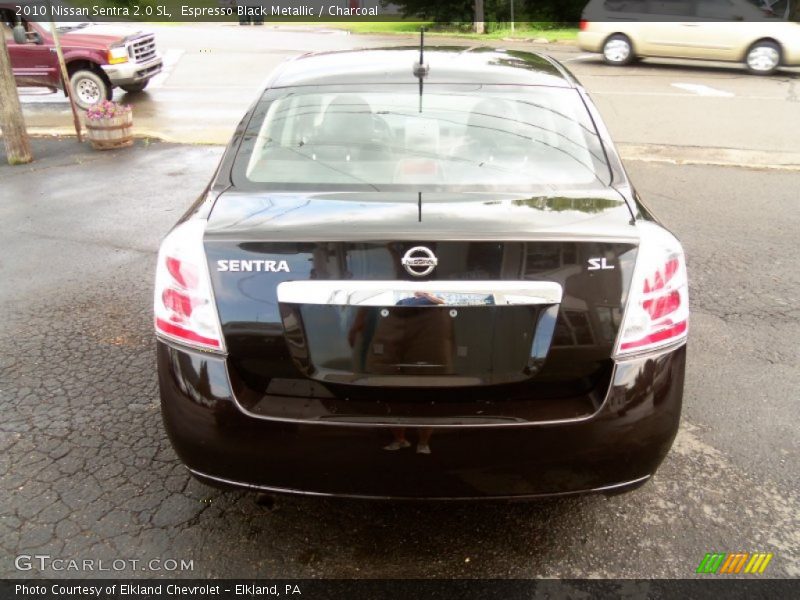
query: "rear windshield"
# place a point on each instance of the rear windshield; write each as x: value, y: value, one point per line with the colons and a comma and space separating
x: 450, y: 137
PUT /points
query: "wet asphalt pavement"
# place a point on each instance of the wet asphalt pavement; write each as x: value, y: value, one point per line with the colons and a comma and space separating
x: 86, y: 471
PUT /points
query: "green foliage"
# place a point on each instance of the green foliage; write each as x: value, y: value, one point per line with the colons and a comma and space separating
x: 441, y: 11
x: 497, y: 13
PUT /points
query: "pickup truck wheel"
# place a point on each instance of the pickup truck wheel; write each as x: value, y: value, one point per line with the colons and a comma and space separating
x: 135, y: 87
x: 90, y: 88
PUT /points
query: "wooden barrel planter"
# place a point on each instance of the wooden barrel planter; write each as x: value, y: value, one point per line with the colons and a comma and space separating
x: 110, y: 133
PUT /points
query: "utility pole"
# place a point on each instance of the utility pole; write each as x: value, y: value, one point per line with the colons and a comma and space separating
x: 479, y: 26
x: 76, y: 121
x: 15, y: 137
x: 512, y: 16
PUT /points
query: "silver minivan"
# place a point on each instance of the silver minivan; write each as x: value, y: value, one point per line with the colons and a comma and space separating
x: 719, y: 30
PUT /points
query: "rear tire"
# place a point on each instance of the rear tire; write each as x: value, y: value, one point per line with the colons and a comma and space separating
x: 90, y: 88
x: 763, y: 58
x: 135, y: 87
x: 618, y: 50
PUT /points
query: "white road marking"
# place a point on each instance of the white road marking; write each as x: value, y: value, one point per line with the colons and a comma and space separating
x: 703, y: 90
x: 169, y: 59
x: 681, y: 95
x: 579, y: 57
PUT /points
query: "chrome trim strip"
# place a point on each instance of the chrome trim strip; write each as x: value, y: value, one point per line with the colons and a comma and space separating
x: 278, y: 490
x: 440, y: 293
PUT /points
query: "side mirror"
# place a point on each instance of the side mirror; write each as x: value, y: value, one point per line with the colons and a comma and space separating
x: 26, y: 37
x: 19, y: 34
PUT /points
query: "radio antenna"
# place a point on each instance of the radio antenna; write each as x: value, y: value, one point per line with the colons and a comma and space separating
x: 421, y: 69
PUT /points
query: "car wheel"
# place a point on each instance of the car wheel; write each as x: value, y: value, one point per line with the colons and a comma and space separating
x: 763, y: 58
x: 618, y: 50
x: 89, y: 88
x: 135, y: 87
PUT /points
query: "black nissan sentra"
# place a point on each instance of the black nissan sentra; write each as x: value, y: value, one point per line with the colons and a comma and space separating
x: 421, y: 279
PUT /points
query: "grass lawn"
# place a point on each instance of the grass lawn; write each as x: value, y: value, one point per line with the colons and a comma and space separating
x: 530, y: 31
x: 524, y: 31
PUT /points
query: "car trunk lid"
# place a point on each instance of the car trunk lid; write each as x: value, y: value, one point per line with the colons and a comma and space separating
x: 581, y: 247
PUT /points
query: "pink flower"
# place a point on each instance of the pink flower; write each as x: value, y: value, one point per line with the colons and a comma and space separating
x: 107, y: 109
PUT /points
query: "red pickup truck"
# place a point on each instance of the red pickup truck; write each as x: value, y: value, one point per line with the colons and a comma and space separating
x: 99, y: 56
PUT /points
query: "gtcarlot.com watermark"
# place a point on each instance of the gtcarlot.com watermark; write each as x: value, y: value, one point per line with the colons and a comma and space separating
x: 45, y: 562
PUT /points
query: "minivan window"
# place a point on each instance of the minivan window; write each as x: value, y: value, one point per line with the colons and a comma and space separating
x: 627, y: 6
x: 672, y: 8
x: 464, y: 136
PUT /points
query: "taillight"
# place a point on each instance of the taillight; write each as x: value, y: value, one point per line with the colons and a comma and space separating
x: 184, y: 303
x: 583, y: 25
x: 657, y: 313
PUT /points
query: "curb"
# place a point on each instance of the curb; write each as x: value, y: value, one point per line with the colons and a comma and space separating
x: 720, y: 157
x: 140, y: 134
x: 653, y: 153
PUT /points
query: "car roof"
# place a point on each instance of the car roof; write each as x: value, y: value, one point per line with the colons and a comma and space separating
x: 447, y: 65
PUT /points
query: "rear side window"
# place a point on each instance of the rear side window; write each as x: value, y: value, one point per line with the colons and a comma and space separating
x: 672, y: 8
x: 627, y: 6
x: 454, y: 136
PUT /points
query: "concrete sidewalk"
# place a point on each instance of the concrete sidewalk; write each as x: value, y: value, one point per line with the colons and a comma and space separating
x: 654, y: 153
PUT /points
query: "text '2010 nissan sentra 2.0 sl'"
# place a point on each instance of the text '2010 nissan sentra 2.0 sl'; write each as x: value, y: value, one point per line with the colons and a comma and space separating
x: 421, y: 279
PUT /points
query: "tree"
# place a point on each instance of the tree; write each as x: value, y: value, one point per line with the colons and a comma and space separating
x: 441, y: 11
x: 15, y: 137
x: 479, y: 23
x: 470, y: 12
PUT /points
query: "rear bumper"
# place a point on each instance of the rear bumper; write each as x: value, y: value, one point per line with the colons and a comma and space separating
x: 621, y: 445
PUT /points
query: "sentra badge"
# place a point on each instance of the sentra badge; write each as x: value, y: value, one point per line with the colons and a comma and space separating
x: 246, y: 266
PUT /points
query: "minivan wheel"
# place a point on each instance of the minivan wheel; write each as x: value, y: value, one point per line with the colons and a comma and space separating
x: 763, y: 58
x: 89, y: 87
x: 618, y: 50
